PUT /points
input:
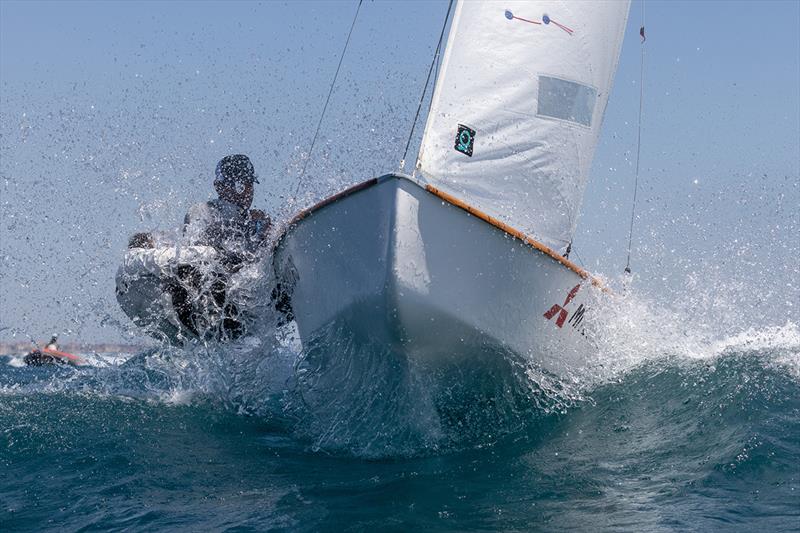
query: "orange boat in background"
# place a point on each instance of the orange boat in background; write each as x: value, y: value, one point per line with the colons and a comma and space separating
x: 51, y: 355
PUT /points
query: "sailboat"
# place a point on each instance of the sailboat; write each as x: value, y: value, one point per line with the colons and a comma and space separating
x: 472, y: 248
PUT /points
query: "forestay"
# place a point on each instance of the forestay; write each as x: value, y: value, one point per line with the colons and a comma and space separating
x: 517, y: 110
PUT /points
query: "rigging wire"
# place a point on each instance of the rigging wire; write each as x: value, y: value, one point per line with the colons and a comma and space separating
x: 436, y: 73
x: 427, y: 81
x: 327, y: 100
x: 579, y: 258
x: 638, y: 141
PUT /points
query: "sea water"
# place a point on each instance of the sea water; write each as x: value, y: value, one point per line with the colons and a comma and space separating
x: 674, y: 431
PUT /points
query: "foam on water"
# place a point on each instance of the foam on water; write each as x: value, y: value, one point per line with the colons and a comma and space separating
x: 631, y: 330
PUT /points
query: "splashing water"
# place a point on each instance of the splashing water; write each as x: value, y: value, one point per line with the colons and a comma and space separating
x: 348, y: 393
x: 672, y: 428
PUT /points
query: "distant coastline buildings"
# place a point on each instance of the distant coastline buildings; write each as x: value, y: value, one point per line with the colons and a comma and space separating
x: 23, y: 347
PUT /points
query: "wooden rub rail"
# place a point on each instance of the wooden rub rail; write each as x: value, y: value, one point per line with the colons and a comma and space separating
x: 347, y: 192
x: 514, y: 233
x: 546, y: 250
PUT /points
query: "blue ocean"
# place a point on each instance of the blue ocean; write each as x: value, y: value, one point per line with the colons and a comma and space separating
x: 671, y: 432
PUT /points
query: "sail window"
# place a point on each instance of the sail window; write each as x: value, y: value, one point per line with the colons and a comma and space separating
x: 566, y: 100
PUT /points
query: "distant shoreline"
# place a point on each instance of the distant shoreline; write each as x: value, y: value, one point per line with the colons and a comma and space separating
x: 22, y: 347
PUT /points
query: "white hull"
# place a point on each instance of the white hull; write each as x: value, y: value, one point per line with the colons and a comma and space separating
x: 430, y: 279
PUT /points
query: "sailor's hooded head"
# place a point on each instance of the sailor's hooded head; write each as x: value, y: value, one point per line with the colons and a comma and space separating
x: 234, y: 179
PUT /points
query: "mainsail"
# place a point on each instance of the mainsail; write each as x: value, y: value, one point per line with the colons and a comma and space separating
x: 517, y: 110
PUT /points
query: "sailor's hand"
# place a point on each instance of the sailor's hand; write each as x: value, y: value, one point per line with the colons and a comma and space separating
x: 261, y: 224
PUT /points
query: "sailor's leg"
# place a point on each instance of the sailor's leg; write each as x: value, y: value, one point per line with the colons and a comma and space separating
x: 231, y: 326
x: 182, y: 300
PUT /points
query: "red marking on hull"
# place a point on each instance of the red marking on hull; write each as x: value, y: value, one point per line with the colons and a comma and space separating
x: 561, y: 309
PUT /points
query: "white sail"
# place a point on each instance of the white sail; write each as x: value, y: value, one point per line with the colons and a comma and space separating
x: 517, y: 110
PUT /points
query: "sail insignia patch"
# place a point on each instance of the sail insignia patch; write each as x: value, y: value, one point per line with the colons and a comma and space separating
x: 465, y: 140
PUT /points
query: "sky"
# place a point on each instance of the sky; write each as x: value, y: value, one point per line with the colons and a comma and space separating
x: 113, y: 115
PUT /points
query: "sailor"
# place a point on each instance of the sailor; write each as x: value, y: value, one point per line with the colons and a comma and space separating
x: 237, y: 232
x: 37, y: 357
x: 227, y: 223
x: 53, y: 344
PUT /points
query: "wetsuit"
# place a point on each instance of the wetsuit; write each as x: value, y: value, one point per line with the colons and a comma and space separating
x: 227, y: 227
x: 237, y: 237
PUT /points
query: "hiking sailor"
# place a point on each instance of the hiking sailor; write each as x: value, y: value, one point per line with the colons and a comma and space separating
x: 235, y: 231
x: 227, y: 223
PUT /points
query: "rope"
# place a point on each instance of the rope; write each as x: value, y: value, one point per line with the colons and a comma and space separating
x: 427, y: 81
x: 328, y: 99
x: 638, y: 142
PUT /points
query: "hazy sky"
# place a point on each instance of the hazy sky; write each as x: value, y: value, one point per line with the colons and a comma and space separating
x: 113, y: 115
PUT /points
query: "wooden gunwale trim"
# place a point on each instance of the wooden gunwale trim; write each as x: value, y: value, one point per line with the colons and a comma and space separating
x: 329, y: 200
x: 546, y: 250
x: 533, y: 243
